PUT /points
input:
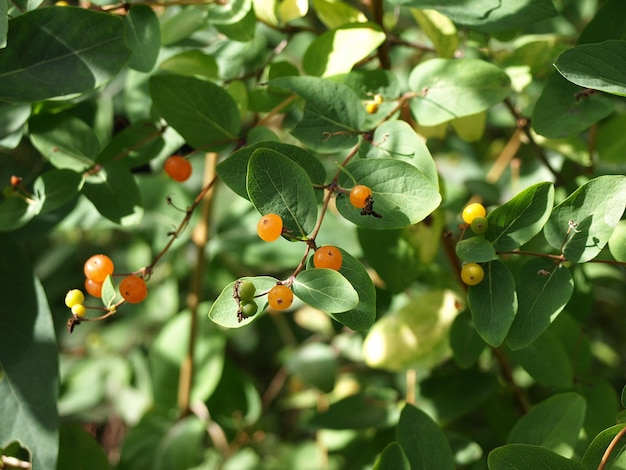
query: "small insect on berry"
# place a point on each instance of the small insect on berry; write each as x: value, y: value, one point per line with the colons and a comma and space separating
x: 479, y: 225
x: 328, y: 256
x: 74, y: 297
x: 79, y: 310
x: 98, y: 267
x: 270, y: 227
x: 280, y: 297
x: 178, y: 168
x: 359, y: 195
x: 133, y: 289
x: 472, y: 274
x: 472, y: 211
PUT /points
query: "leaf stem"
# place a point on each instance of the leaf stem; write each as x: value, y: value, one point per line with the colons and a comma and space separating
x: 610, y: 448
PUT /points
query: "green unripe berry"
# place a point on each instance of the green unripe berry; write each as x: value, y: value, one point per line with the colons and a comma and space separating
x: 74, y: 297
x: 246, y: 291
x: 248, y: 309
x: 479, y: 225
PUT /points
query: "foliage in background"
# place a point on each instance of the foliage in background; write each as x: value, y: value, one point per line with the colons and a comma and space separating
x: 390, y: 362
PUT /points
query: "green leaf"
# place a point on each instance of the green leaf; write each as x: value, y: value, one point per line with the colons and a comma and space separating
x: 203, y: 113
x: 561, y: 110
x: 617, y: 242
x: 582, y: 224
x: 143, y: 33
x: 109, y: 292
x: 229, y: 13
x: 336, y: 14
x: 362, y: 316
x: 602, y: 403
x: 136, y: 145
x: 493, y: 303
x: 465, y: 342
x: 333, y: 114
x: 79, y: 450
x: 337, y: 51
x: 402, y: 194
x: 181, y: 24
x: 392, y: 458
x: 404, y: 339
x: 553, y: 424
x: 594, y: 455
x: 598, y: 66
x: 169, y: 351
x: 546, y: 361
x: 475, y: 250
x: 488, y: 15
x: 362, y: 410
x: 4, y: 22
x: 316, y: 364
x: 57, y: 187
x: 543, y: 290
x: 527, y: 457
x: 440, y: 82
x: 45, y: 59
x: 326, y: 290
x: 397, y: 139
x: 13, y: 116
x: 234, y: 170
x: 422, y: 441
x: 159, y: 442
x: 193, y: 63
x: 276, y: 184
x: 224, y: 309
x: 15, y: 212
x: 68, y: 143
x: 520, y: 219
x: 439, y: 29
x: 242, y: 31
x: 115, y: 194
x: 28, y: 359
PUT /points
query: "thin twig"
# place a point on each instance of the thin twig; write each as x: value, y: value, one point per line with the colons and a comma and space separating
x: 610, y: 448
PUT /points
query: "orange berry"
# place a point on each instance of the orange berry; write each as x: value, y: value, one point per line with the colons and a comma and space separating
x: 280, y: 297
x: 93, y: 288
x: 98, y: 267
x: 472, y: 211
x: 328, y: 256
x: 178, y: 168
x: 270, y: 227
x: 359, y: 195
x: 16, y: 180
x: 133, y: 289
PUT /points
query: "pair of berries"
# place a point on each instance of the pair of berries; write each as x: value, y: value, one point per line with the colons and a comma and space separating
x: 74, y: 299
x: 178, y: 168
x: 475, y: 215
x: 97, y: 268
x: 279, y: 297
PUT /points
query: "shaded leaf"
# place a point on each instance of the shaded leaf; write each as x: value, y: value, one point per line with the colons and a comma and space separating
x: 595, y: 452
x: 276, y: 184
x: 79, y: 450
x: 28, y: 359
x: 392, y: 458
x: 202, y: 112
x: 527, y: 457
x: 493, y: 303
x: 598, y: 66
x: 422, y: 441
x: 543, y: 290
x: 143, y: 33
x: 46, y: 59
x: 475, y: 250
x: 326, y: 290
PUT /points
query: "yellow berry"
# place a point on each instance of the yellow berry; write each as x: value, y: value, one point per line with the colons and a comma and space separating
x: 79, y: 310
x: 472, y: 274
x: 74, y: 297
x: 371, y: 107
x: 472, y: 211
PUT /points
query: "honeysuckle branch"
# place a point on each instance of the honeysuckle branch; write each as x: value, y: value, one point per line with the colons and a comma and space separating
x: 200, y: 237
x: 609, y: 450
